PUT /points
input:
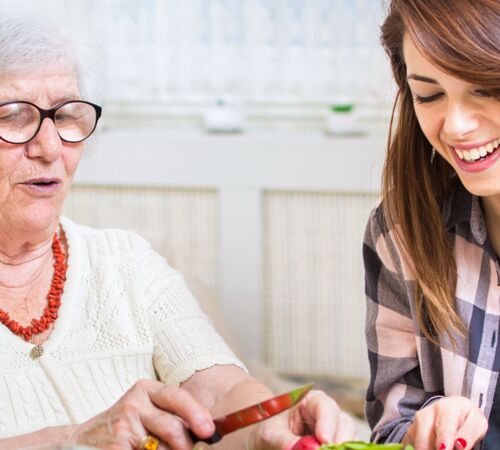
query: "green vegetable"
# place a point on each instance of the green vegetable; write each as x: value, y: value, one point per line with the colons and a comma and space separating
x: 359, y: 445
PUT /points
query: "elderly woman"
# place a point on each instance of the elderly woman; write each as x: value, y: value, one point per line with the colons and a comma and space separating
x: 101, y: 343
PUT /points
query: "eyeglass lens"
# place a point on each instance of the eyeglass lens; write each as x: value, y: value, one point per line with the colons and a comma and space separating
x: 19, y: 122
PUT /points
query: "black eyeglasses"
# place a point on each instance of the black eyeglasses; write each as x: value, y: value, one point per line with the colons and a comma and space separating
x: 75, y: 120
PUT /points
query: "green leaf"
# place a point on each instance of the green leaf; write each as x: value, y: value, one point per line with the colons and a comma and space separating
x: 360, y: 445
x: 389, y: 446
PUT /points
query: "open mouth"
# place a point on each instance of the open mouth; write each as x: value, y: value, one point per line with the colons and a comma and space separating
x: 479, y: 153
x: 43, y: 183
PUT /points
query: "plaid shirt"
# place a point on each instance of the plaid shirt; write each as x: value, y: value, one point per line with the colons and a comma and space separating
x: 407, y: 370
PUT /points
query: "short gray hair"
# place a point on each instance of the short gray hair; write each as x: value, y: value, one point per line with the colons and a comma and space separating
x: 36, y: 35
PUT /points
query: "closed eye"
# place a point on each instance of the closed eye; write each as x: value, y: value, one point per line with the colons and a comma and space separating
x: 483, y: 93
x: 429, y: 99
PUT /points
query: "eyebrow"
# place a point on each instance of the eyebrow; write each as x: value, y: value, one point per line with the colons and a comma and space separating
x: 413, y: 76
x: 67, y: 99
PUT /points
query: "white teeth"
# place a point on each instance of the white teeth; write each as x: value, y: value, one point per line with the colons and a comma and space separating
x: 479, y: 152
x: 475, y: 154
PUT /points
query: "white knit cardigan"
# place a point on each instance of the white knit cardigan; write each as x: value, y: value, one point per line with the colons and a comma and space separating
x: 125, y: 315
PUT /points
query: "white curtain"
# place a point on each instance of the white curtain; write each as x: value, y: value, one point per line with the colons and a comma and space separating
x: 290, y: 52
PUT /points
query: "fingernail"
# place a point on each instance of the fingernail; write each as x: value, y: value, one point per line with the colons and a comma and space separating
x: 207, y: 427
x: 462, y: 442
x: 442, y: 446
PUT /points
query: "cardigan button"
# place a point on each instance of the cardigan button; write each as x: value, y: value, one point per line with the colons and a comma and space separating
x: 36, y: 352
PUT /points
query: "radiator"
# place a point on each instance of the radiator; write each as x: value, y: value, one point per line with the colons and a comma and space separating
x: 314, y: 282
x: 181, y: 224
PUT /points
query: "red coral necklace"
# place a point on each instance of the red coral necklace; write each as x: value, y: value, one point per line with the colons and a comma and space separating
x: 53, y: 299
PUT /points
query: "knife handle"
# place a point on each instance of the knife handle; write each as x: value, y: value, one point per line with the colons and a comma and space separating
x: 216, y: 437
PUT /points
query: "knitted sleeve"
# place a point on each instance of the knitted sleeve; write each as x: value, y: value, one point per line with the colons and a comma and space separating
x: 184, y: 337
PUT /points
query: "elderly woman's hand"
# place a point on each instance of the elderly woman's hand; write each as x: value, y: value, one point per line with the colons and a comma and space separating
x: 147, y: 408
x: 317, y: 414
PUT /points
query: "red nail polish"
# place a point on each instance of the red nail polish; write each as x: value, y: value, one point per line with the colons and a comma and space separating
x: 442, y: 446
x: 462, y: 442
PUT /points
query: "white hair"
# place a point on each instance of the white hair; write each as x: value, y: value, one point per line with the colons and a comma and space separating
x: 38, y: 35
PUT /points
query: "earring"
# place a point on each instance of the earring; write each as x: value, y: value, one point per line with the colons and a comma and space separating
x: 433, y: 154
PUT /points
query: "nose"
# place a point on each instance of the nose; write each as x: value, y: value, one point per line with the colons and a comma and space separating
x: 460, y: 120
x: 46, y: 144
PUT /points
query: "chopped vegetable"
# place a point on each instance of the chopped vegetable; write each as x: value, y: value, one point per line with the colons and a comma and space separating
x: 311, y: 443
x: 359, y: 445
x: 307, y: 443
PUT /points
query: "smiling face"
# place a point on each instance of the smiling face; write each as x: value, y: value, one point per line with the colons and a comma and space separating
x: 36, y: 176
x: 460, y: 120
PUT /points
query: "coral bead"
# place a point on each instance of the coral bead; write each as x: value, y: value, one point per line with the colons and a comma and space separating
x: 53, y: 299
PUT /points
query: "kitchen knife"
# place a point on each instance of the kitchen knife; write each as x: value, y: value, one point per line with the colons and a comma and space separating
x: 253, y: 414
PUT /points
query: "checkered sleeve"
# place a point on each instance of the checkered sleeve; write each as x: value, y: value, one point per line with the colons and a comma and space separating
x: 395, y: 392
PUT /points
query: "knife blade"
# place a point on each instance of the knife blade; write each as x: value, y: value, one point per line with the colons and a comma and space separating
x: 253, y: 414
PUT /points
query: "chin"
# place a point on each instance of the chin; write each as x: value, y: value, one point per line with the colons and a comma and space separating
x: 39, y: 218
x: 484, y: 189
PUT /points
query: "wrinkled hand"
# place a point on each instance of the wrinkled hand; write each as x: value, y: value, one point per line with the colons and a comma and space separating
x: 148, y: 407
x: 451, y: 423
x: 316, y: 414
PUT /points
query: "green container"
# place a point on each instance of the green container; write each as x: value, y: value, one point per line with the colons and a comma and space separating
x: 342, y: 108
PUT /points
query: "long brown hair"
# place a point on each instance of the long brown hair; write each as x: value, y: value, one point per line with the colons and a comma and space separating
x: 462, y: 38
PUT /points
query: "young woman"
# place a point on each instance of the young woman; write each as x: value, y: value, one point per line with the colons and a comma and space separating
x: 432, y: 247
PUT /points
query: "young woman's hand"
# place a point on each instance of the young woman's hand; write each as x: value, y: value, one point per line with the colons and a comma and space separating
x: 147, y: 408
x: 317, y: 414
x: 447, y: 424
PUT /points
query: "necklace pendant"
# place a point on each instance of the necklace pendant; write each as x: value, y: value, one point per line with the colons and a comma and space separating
x: 36, y: 352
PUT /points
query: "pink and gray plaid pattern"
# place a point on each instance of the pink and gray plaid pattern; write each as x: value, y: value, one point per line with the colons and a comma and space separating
x: 408, y: 371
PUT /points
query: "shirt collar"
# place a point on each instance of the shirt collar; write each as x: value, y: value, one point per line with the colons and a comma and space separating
x: 464, y: 207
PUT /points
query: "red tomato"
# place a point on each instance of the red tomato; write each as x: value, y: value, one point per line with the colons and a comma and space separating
x: 307, y: 443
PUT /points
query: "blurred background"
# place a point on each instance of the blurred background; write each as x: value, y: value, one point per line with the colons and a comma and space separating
x: 245, y: 139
